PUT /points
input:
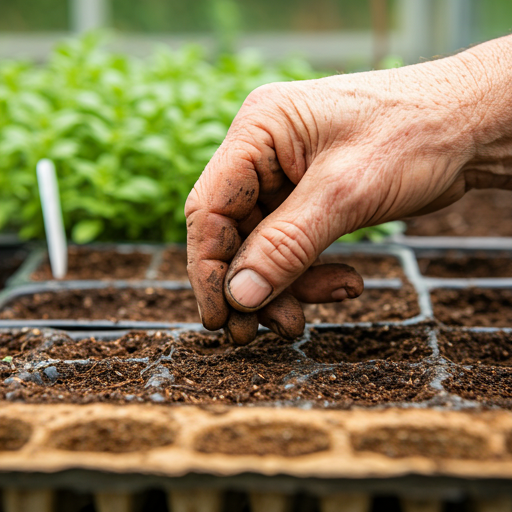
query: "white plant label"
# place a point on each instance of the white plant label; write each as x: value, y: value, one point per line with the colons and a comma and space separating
x: 52, y: 215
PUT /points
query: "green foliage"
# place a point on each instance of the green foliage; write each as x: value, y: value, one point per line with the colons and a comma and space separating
x: 129, y: 138
x: 374, y: 233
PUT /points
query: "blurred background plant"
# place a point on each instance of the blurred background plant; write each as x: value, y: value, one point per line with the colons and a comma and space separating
x: 130, y: 129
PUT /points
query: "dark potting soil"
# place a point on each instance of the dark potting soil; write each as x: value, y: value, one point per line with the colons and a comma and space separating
x: 490, y: 385
x: 204, y: 369
x: 89, y: 263
x: 368, y: 265
x: 372, y: 306
x: 174, y: 265
x: 114, y: 304
x: 161, y: 305
x: 431, y: 442
x: 473, y: 307
x: 452, y: 265
x: 9, y: 263
x: 468, y: 348
x: 360, y: 344
x: 478, y: 213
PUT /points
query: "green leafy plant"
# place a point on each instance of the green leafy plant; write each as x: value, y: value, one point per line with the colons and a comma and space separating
x: 129, y: 137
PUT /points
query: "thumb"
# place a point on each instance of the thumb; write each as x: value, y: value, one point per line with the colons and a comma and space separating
x: 282, y: 247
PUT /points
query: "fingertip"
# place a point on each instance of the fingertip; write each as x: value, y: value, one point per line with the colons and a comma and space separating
x: 242, y: 328
x: 284, y: 316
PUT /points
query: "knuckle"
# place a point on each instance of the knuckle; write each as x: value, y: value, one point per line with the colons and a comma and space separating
x: 288, y: 247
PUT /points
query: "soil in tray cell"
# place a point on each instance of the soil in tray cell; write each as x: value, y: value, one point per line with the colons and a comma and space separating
x: 368, y: 265
x: 174, y: 265
x: 205, y: 369
x: 489, y: 385
x: 377, y: 305
x: 361, y: 344
x: 473, y: 307
x: 88, y: 263
x: 466, y: 266
x: 478, y: 213
x: 475, y: 348
x: 114, y: 304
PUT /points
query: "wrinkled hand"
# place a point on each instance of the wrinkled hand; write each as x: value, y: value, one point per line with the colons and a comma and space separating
x: 306, y: 162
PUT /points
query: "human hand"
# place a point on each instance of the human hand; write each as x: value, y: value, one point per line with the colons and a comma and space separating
x: 306, y: 162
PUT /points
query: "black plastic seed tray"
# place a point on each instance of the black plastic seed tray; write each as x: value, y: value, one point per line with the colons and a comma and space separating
x: 406, y: 263
x: 40, y: 254
x: 328, y: 368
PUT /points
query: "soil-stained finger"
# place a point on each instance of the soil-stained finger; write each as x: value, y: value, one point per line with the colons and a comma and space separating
x: 242, y: 328
x: 207, y: 279
x: 319, y: 282
x: 284, y: 316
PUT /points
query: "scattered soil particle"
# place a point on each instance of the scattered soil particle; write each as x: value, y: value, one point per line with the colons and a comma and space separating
x: 174, y: 265
x: 20, y: 343
x: 463, y: 347
x: 490, y: 385
x: 473, y: 307
x: 478, y: 213
x: 284, y: 439
x: 360, y: 344
x: 112, y: 435
x: 368, y: 265
x: 466, y: 266
x: 89, y: 263
x: 14, y: 434
x: 431, y: 442
x: 10, y: 261
x: 372, y: 306
x: 114, y: 304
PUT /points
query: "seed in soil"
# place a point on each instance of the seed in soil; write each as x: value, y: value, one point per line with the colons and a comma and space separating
x: 473, y: 307
x: 14, y: 433
x: 455, y: 265
x: 284, y: 439
x: 431, y: 442
x: 364, y: 344
x: 478, y: 213
x: 114, y: 304
x: 372, y: 306
x: 489, y: 385
x: 119, y: 435
x: 103, y: 264
x: 464, y: 347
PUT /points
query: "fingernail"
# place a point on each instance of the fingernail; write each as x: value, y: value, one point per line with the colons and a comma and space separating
x: 249, y: 289
x: 200, y: 314
x: 339, y: 294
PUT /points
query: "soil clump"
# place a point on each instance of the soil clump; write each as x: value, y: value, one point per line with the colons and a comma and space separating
x: 473, y: 307
x: 103, y: 264
x: 113, y: 304
x: 478, y: 213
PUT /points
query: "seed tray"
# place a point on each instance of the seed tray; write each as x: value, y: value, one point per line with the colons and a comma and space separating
x: 404, y: 256
x: 39, y: 255
x: 424, y: 451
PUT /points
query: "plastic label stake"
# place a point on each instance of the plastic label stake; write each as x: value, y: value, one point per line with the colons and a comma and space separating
x: 52, y: 215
